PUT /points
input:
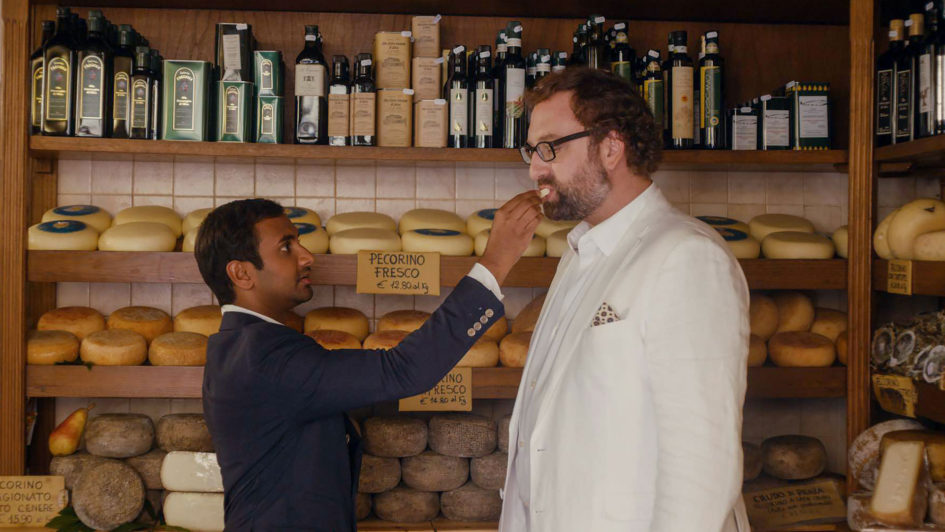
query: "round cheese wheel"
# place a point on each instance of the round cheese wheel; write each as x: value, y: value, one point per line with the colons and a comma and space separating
x: 114, y: 347
x: 153, y: 214
x: 146, y: 321
x: 203, y: 319
x: 799, y: 349
x: 378, y: 474
x: 193, y: 220
x: 528, y: 317
x: 345, y: 319
x: 829, y: 323
x: 138, y: 236
x: 395, y: 437
x: 301, y: 215
x: 721, y: 222
x: 51, y: 347
x: 407, y: 505
x: 402, y: 320
x: 913, y: 219
x: 753, y: 462
x: 462, y: 435
x: 294, y: 321
x: 504, y: 422
x: 841, y: 239
x: 757, y: 351
x: 795, y: 311
x: 107, y: 495
x: 536, y: 248
x: 793, y: 457
x: 764, y: 224
x: 93, y: 216
x: 332, y: 340
x: 119, y: 435
x: 184, y: 432
x: 556, y: 244
x: 547, y: 227
x: 797, y: 245
x: 483, y: 354
x: 497, y: 330
x: 359, y: 220
x: 513, y: 350
x: 864, y: 453
x: 432, y: 471
x: 881, y: 237
x: 351, y: 241
x: 841, y: 345
x: 431, y: 219
x: 471, y: 503
x: 742, y: 245
x: 385, y: 339
x: 762, y: 315
x: 148, y: 466
x: 363, y: 503
x: 190, y: 241
x: 444, y: 241
x: 178, y: 349
x: 80, y: 321
x: 70, y: 467
x: 62, y: 235
x: 313, y: 238
x: 480, y: 221
x: 488, y: 472
x: 929, y: 246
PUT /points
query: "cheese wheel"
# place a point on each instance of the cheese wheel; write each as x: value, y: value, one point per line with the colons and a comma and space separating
x: 395, y: 437
x: 471, y: 503
x: 841, y: 239
x: 332, y: 340
x: 70, y: 467
x: 841, y: 345
x: 721, y: 222
x: 194, y: 219
x: 107, y: 495
x: 313, y: 238
x: 483, y: 354
x: 351, y: 241
x: 432, y: 471
x: 80, y: 321
x: 864, y: 453
x: 138, y: 236
x: 547, y: 227
x: 536, y: 248
x: 753, y: 462
x: 178, y: 349
x: 294, y: 322
x: 301, y: 215
x: 431, y: 219
x: 148, y: 466
x: 363, y: 503
x: 194, y: 511
x: 858, y: 511
x: 190, y: 241
x: 114, y: 347
x: 929, y: 246
x: 757, y: 351
x: 797, y: 245
x: 90, y: 215
x: 119, y: 435
x: 762, y: 315
x: 462, y: 435
x: 901, y: 495
x: 402, y: 320
x: 795, y: 311
x: 480, y: 221
x: 358, y: 220
x: 345, y: 319
x: 407, y: 505
x: 764, y: 224
x: 62, y: 235
x: 793, y: 457
x: 528, y: 317
x: 146, y: 321
x: 513, y: 350
x: 913, y: 219
x: 798, y: 349
x: 443, y: 241
x: 497, y: 329
x: 184, y: 432
x: 556, y: 244
x: 934, y: 448
x: 51, y: 347
x: 829, y: 323
x: 191, y: 471
x: 151, y: 214
x: 881, y: 237
x: 378, y: 474
x: 203, y: 319
x: 937, y: 504
x: 385, y: 339
x: 742, y: 245
x: 488, y: 472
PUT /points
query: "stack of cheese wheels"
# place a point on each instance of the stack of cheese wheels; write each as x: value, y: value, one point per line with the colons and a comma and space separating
x: 547, y: 227
x: 784, y: 236
x: 786, y: 327
x: 446, y: 242
x: 138, y: 236
x: 351, y: 241
x: 332, y: 340
x: 402, y: 320
x: 301, y: 215
x: 557, y: 243
x: 191, y: 226
x: 915, y: 231
x: 536, y: 248
x: 62, y: 235
x: 194, y: 489
x: 344, y: 319
x: 94, y: 217
x: 151, y: 214
x: 359, y: 220
x: 840, y: 239
x: 313, y: 238
x: 431, y: 219
x: 203, y: 319
x: 480, y: 221
x: 149, y: 322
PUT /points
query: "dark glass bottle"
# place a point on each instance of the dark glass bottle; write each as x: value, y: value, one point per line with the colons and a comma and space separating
x: 456, y: 92
x: 123, y: 65
x: 501, y: 50
x: 157, y: 79
x: 596, y: 49
x: 902, y: 88
x: 512, y: 90
x: 311, y: 106
x: 542, y: 63
x: 925, y: 87
x: 622, y: 55
x: 711, y: 91
x: 363, y: 98
x: 498, y: 100
x: 937, y: 38
x: 665, y: 69
x: 59, y: 73
x: 885, y: 86
x: 653, y: 91
x: 339, y: 102
x: 141, y: 83
x: 579, y: 53
x: 680, y: 90
x: 559, y: 61
x: 530, y: 65
x: 36, y: 80
x: 94, y: 89
x: 483, y: 95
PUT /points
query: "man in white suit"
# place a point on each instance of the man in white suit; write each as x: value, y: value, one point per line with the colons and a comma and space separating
x: 628, y: 417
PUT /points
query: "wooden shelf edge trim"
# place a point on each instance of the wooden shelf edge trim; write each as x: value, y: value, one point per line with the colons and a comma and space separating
x: 928, y: 278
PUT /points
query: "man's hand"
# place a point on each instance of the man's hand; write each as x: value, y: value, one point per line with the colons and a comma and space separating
x: 512, y: 231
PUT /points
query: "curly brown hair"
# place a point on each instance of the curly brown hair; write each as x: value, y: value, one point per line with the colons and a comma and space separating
x: 605, y: 103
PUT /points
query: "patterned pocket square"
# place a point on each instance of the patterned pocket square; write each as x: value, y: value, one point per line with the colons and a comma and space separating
x: 605, y: 314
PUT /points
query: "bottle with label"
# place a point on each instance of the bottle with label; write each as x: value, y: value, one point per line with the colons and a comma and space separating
x: 501, y: 52
x: 93, y: 92
x: 157, y: 79
x: 512, y: 90
x: 711, y: 115
x: 363, y: 106
x: 680, y: 90
x: 530, y: 66
x: 543, y: 63
x: 142, y: 82
x: 622, y: 55
x: 665, y: 68
x: 456, y: 92
x: 579, y: 52
x: 653, y: 92
x: 559, y: 61
x: 311, y: 106
x: 59, y: 73
x: 885, y: 86
x: 935, y: 11
x: 339, y: 102
x: 36, y: 80
x: 483, y: 96
x: 596, y: 49
x: 903, y: 85
x: 923, y: 61
x: 743, y: 128
x: 123, y: 65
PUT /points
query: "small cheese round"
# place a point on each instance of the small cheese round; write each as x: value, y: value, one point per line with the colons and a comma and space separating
x: 108, y: 495
x: 190, y: 241
x: 402, y: 320
x: 358, y: 220
x: 480, y: 221
x: 742, y: 245
x: 527, y: 318
x: 114, y: 347
x: 488, y: 472
x: 432, y: 471
x: 138, y: 236
x: 378, y: 474
x: 70, y: 467
x: 148, y: 466
x: 764, y: 224
x: 795, y: 311
x: 929, y: 246
x: 793, y: 457
x: 841, y: 238
x: 547, y: 227
x: 62, y: 235
x: 800, y: 349
x: 496, y: 330
x: 829, y: 323
x: 797, y: 245
x: 80, y: 321
x: 471, y: 503
x: 513, y: 350
x: 753, y: 462
x: 51, y: 347
x: 462, y: 435
x: 483, y: 354
x: 431, y: 219
x: 349, y: 320
x: 194, y: 219
x: 146, y: 321
x: 913, y: 219
x: 443, y: 241
x: 407, y: 505
x: 385, y: 339
x: 881, y: 237
x: 841, y: 345
x: 93, y: 216
x: 721, y: 222
x: 757, y: 351
x: 178, y: 349
x: 395, y: 437
x: 762, y: 315
x: 332, y: 340
x: 153, y: 214
x: 119, y: 435
x: 313, y: 238
x: 351, y: 241
x: 294, y: 322
x: 536, y: 248
x: 203, y: 319
x: 184, y: 432
x: 301, y: 215
x: 556, y: 244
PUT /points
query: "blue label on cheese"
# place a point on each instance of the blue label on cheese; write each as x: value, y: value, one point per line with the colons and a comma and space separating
x: 295, y: 212
x: 437, y: 232
x: 717, y: 220
x: 305, y: 229
x: 488, y: 214
x: 62, y: 226
x: 731, y: 235
x: 76, y: 210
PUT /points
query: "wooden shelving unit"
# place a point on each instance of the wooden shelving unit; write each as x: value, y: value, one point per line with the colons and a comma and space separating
x: 926, y: 153
x: 928, y: 278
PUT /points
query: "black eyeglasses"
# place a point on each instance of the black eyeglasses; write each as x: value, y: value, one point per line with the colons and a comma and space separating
x: 546, y: 149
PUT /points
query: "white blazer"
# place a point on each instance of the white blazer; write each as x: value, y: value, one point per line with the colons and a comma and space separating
x: 639, y: 424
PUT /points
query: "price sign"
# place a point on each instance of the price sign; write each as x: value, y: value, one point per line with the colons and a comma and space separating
x: 31, y: 501
x: 452, y: 394
x: 818, y: 501
x: 398, y: 272
x: 899, y: 277
x: 896, y: 394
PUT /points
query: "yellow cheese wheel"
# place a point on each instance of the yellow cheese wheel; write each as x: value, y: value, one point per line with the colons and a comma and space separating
x: 795, y: 311
x: 513, y: 350
x: 62, y: 235
x: 194, y: 219
x: 841, y: 345
x: 385, y: 339
x: 332, y: 340
x: 800, y: 349
x: 929, y: 246
x: 721, y: 222
x: 765, y: 224
x: 204, y: 319
x: 94, y: 217
x: 829, y: 323
x: 556, y: 244
x: 114, y: 347
x: 536, y: 248
x: 913, y: 219
x: 147, y: 321
x: 138, y: 236
x: 402, y: 320
x: 344, y: 319
x: 443, y: 241
x: 190, y: 240
x: 51, y: 347
x: 497, y: 329
x: 80, y: 321
x: 178, y: 349
x: 757, y: 351
x: 313, y: 238
x: 528, y: 317
x: 151, y: 213
x: 797, y: 245
x: 483, y: 354
x: 742, y: 245
x: 840, y: 239
x: 351, y: 241
x: 431, y: 219
x: 479, y: 221
x: 881, y: 237
x: 301, y: 215
x: 357, y: 220
x: 763, y: 315
x: 547, y: 227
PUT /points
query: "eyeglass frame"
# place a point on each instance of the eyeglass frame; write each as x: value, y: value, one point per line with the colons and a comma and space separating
x: 526, y: 148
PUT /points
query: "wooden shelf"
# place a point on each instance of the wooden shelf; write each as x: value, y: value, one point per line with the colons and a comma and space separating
x: 928, y: 278
x: 782, y: 274
x: 930, y: 402
x: 922, y: 153
x: 748, y: 161
x: 488, y: 383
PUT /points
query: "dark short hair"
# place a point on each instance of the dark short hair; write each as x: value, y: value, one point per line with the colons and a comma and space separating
x: 608, y: 103
x: 229, y: 233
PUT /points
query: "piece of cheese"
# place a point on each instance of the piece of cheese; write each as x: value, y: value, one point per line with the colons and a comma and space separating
x: 443, y: 241
x: 147, y: 321
x: 53, y: 347
x: 301, y: 215
x: 881, y: 237
x: 742, y: 245
x: 513, y: 349
x: 431, y: 219
x: 407, y: 505
x: 527, y: 318
x: 721, y: 222
x: 547, y: 227
x: 793, y: 457
x: 913, y: 219
x: 80, y: 321
x: 432, y: 471
x: 764, y: 224
x: 349, y: 320
x: 313, y: 238
x: 378, y: 474
x: 194, y: 511
x: 483, y: 354
x: 114, y: 347
x: 384, y: 339
x: 471, y: 503
x: 62, y: 235
x: 395, y: 437
x: 332, y: 340
x: 829, y: 323
x: 797, y: 245
x: 119, y: 435
x: 901, y: 494
x: 556, y: 244
x: 357, y: 220
x: 934, y: 448
x: 757, y: 351
x: 489, y: 472
x: 191, y: 471
x: 184, y: 432
x: 402, y: 320
x: 479, y: 221
x: 841, y: 344
x: 763, y: 315
x: 190, y: 240
x: 93, y: 216
x: 138, y: 236
x: 462, y: 435
x: 152, y: 214
x: 194, y: 219
x: 929, y: 246
x: 536, y: 248
x: 203, y: 319
x: 351, y: 241
x: 799, y: 349
x: 795, y: 311
x: 863, y: 454
x: 841, y: 238
x: 178, y: 349
x: 107, y: 495
x: 752, y: 461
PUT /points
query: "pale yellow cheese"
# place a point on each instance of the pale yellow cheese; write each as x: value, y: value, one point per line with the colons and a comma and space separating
x: 194, y: 219
x: 443, y: 241
x: 881, y: 237
x: 829, y: 323
x: 431, y: 219
x: 721, y: 222
x: 536, y: 248
x: 929, y: 246
x: 901, y: 494
x: 357, y: 220
x: 194, y: 511
x: 191, y: 471
x: 151, y: 213
x: 840, y: 239
x: 795, y: 311
x: 742, y: 245
x: 94, y: 217
x: 62, y: 235
x: 797, y: 245
x: 301, y: 215
x: 913, y: 219
x: 313, y: 238
x: 763, y: 315
x: 114, y: 347
x: 351, y: 241
x: 479, y: 221
x: 190, y: 240
x: 138, y: 236
x: 765, y: 224
x: 547, y: 227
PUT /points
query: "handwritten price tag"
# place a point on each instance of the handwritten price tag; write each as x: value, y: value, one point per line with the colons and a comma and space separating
x: 453, y: 394
x: 31, y: 501
x: 398, y: 272
x: 899, y: 277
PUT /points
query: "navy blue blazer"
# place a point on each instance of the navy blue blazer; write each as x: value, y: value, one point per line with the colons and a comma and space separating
x: 275, y: 403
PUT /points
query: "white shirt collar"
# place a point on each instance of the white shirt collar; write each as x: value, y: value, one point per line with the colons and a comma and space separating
x: 605, y: 235
x: 236, y: 308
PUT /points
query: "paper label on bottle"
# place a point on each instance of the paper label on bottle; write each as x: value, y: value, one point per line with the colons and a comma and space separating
x: 745, y: 132
x: 483, y: 112
x: 231, y: 52
x: 884, y: 102
x: 183, y: 100
x: 925, y: 83
x: 653, y: 94
x: 267, y: 122
x: 310, y: 80
x: 362, y: 114
x: 338, y: 121
x: 265, y: 75
x: 459, y: 112
x: 777, y: 128
x: 711, y: 83
x: 36, y: 91
x: 120, y: 99
x: 232, y: 113
x: 56, y: 102
x: 814, y: 117
x: 514, y: 92
x: 682, y: 103
x: 140, y: 96
x: 903, y: 104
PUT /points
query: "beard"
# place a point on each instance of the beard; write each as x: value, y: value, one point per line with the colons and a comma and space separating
x: 582, y: 196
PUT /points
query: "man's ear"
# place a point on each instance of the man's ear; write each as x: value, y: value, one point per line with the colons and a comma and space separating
x: 612, y: 151
x: 241, y: 273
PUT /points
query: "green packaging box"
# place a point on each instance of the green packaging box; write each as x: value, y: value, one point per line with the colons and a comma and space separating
x: 234, y: 111
x: 186, y: 100
x: 269, y: 113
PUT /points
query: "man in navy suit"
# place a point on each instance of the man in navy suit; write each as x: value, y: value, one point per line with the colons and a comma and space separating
x: 275, y: 400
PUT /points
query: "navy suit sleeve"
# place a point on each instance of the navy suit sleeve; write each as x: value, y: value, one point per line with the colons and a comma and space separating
x: 316, y: 382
